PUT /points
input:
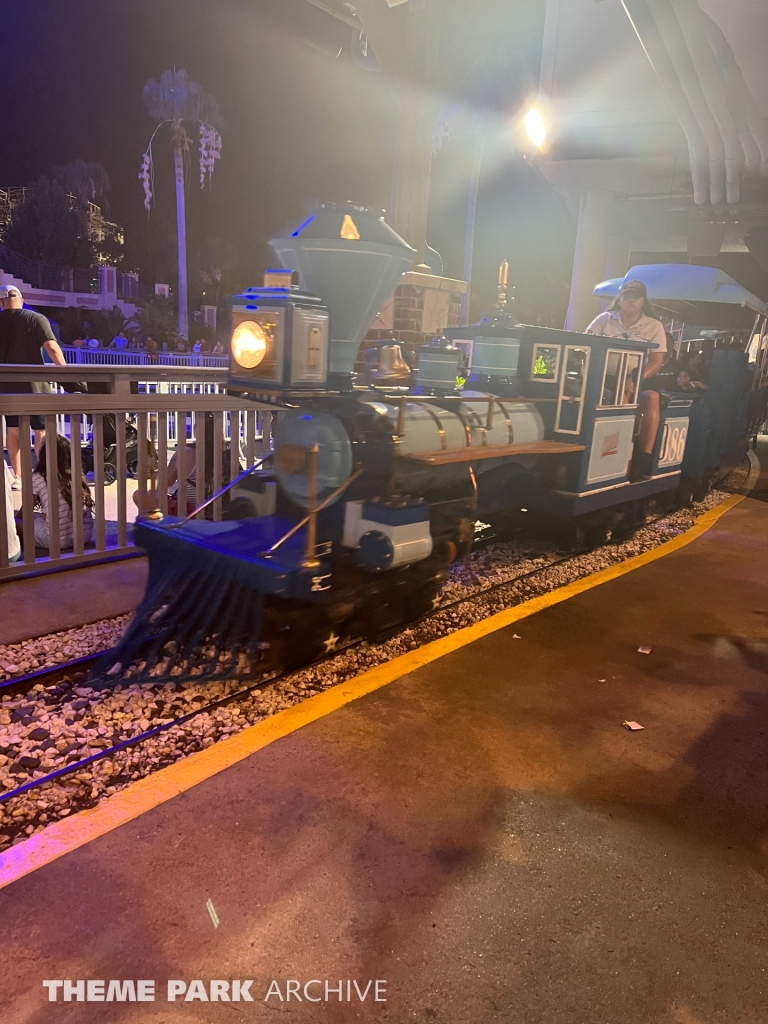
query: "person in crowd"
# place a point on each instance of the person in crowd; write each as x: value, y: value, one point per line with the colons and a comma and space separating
x: 173, y: 471
x: 74, y: 498
x: 135, y: 344
x: 181, y: 345
x: 630, y: 317
x: 197, y: 348
x: 93, y: 343
x: 697, y: 367
x: 686, y: 383
x: 218, y: 348
x: 14, y: 544
x: 119, y: 341
x: 151, y: 349
x: 24, y: 335
x: 79, y: 342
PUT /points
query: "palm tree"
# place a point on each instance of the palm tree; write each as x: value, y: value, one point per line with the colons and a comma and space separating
x: 180, y: 102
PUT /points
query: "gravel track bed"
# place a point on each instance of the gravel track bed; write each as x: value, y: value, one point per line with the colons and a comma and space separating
x: 49, y: 727
x: 51, y: 650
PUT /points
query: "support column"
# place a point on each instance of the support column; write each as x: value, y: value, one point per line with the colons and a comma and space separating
x: 617, y: 259
x: 590, y: 257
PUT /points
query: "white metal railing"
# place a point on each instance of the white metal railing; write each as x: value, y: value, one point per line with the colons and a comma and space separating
x: 122, y: 378
x: 173, y: 433
x: 124, y: 357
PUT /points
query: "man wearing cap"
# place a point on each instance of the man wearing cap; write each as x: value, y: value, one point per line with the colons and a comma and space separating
x: 23, y: 336
x: 630, y: 317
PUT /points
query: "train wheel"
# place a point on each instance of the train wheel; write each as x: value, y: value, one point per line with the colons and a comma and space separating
x: 632, y: 515
x: 589, y: 533
x: 297, y: 637
x: 703, y: 486
x: 684, y: 493
x: 423, y: 601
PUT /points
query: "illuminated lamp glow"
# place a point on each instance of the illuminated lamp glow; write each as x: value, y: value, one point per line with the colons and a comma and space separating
x: 249, y: 344
x: 534, y: 125
x: 349, y: 229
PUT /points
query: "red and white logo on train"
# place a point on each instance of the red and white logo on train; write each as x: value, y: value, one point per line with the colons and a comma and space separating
x: 611, y: 444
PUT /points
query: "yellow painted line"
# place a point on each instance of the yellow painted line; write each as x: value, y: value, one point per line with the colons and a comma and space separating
x: 69, y: 834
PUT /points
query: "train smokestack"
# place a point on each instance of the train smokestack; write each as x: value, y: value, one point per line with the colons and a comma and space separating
x: 352, y: 259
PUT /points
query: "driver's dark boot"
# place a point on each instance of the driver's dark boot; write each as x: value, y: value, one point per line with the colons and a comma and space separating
x: 641, y: 467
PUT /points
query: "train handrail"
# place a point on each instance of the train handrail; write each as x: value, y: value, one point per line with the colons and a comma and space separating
x: 319, y: 508
x: 227, y: 487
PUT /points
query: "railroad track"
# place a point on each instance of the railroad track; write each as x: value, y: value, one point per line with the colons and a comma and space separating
x: 79, y: 667
x: 78, y: 671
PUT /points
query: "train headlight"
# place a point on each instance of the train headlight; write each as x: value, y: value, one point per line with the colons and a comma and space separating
x: 249, y: 344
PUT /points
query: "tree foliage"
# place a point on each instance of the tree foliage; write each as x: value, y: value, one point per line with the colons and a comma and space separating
x: 217, y: 260
x: 176, y: 97
x: 46, y: 228
x: 103, y: 324
x: 86, y: 180
x: 156, y: 318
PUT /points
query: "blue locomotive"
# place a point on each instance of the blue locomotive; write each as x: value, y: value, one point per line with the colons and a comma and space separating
x: 374, y: 488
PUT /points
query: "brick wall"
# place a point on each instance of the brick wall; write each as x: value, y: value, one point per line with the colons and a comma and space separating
x: 421, y: 308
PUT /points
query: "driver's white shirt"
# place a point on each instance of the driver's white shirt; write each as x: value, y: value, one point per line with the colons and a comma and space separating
x: 609, y: 325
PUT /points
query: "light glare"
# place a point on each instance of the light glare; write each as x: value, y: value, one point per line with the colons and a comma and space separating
x: 249, y: 344
x: 534, y: 125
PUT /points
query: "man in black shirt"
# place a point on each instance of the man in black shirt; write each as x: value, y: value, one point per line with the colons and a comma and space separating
x: 23, y: 336
x: 665, y: 378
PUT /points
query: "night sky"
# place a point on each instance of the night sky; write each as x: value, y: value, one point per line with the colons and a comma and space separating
x: 302, y: 124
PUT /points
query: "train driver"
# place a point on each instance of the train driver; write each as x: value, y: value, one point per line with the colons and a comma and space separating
x: 630, y: 317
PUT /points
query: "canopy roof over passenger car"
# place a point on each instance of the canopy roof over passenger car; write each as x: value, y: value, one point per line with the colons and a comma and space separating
x: 704, y: 296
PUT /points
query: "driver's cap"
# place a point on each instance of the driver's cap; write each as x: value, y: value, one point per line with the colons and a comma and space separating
x: 634, y: 286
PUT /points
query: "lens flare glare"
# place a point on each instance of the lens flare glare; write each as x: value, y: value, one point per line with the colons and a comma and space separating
x: 249, y: 344
x: 534, y: 125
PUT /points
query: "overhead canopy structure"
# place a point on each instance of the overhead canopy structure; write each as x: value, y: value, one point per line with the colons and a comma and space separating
x: 428, y: 50
x: 701, y: 296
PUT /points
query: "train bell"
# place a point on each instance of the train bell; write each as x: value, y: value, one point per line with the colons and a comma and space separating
x: 392, y: 367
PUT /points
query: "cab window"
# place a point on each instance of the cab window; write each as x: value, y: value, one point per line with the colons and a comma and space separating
x: 546, y: 363
x: 621, y: 380
x: 570, y: 406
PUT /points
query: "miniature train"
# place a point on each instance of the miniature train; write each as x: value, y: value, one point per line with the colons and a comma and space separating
x: 374, y: 489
